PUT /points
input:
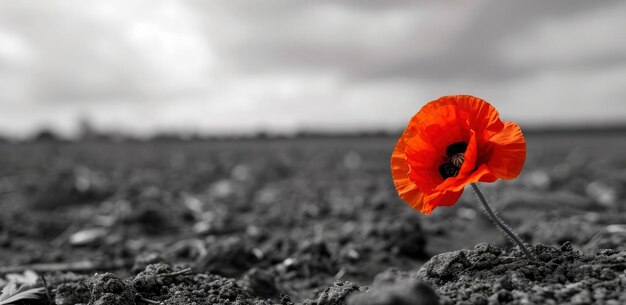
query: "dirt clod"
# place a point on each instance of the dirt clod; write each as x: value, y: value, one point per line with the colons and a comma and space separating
x: 335, y: 295
x: 488, y: 275
x: 72, y: 293
x: 107, y: 289
x: 445, y: 267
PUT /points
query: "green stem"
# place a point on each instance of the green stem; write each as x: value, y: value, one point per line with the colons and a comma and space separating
x: 500, y: 224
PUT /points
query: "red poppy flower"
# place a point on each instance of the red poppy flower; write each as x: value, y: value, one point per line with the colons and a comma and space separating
x: 453, y: 141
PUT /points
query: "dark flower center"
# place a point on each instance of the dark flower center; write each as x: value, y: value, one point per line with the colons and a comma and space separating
x: 455, y: 155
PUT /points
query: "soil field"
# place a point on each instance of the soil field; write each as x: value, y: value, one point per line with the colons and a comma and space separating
x: 305, y: 221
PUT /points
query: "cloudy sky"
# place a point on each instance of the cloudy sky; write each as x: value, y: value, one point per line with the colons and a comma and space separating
x: 283, y: 65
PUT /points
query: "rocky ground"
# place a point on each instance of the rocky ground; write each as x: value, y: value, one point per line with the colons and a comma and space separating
x: 311, y: 221
x: 483, y: 275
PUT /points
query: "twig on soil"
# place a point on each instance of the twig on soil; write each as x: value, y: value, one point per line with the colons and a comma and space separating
x: 185, y: 271
x: 341, y: 273
x: 45, y: 286
x: 149, y: 301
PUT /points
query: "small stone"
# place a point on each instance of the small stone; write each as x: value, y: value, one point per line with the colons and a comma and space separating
x: 444, y: 266
x: 581, y: 298
x: 607, y: 274
x: 478, y: 299
x: 483, y: 248
x: 335, y: 295
x: 599, y: 293
x: 504, y: 296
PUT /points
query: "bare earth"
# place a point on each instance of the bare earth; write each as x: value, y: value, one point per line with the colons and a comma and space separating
x: 307, y: 221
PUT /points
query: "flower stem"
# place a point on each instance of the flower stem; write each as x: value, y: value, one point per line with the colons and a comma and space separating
x: 500, y: 224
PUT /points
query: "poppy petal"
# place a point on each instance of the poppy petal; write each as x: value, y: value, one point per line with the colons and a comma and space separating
x: 437, y: 125
x: 423, y: 168
x: 445, y: 198
x: 508, y: 152
x: 481, y: 116
x: 406, y: 188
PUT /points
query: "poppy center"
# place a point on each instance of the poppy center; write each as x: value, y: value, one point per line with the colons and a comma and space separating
x: 455, y: 155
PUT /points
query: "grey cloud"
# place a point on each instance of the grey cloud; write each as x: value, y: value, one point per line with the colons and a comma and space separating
x: 84, y: 54
x: 281, y: 36
x: 474, y: 55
